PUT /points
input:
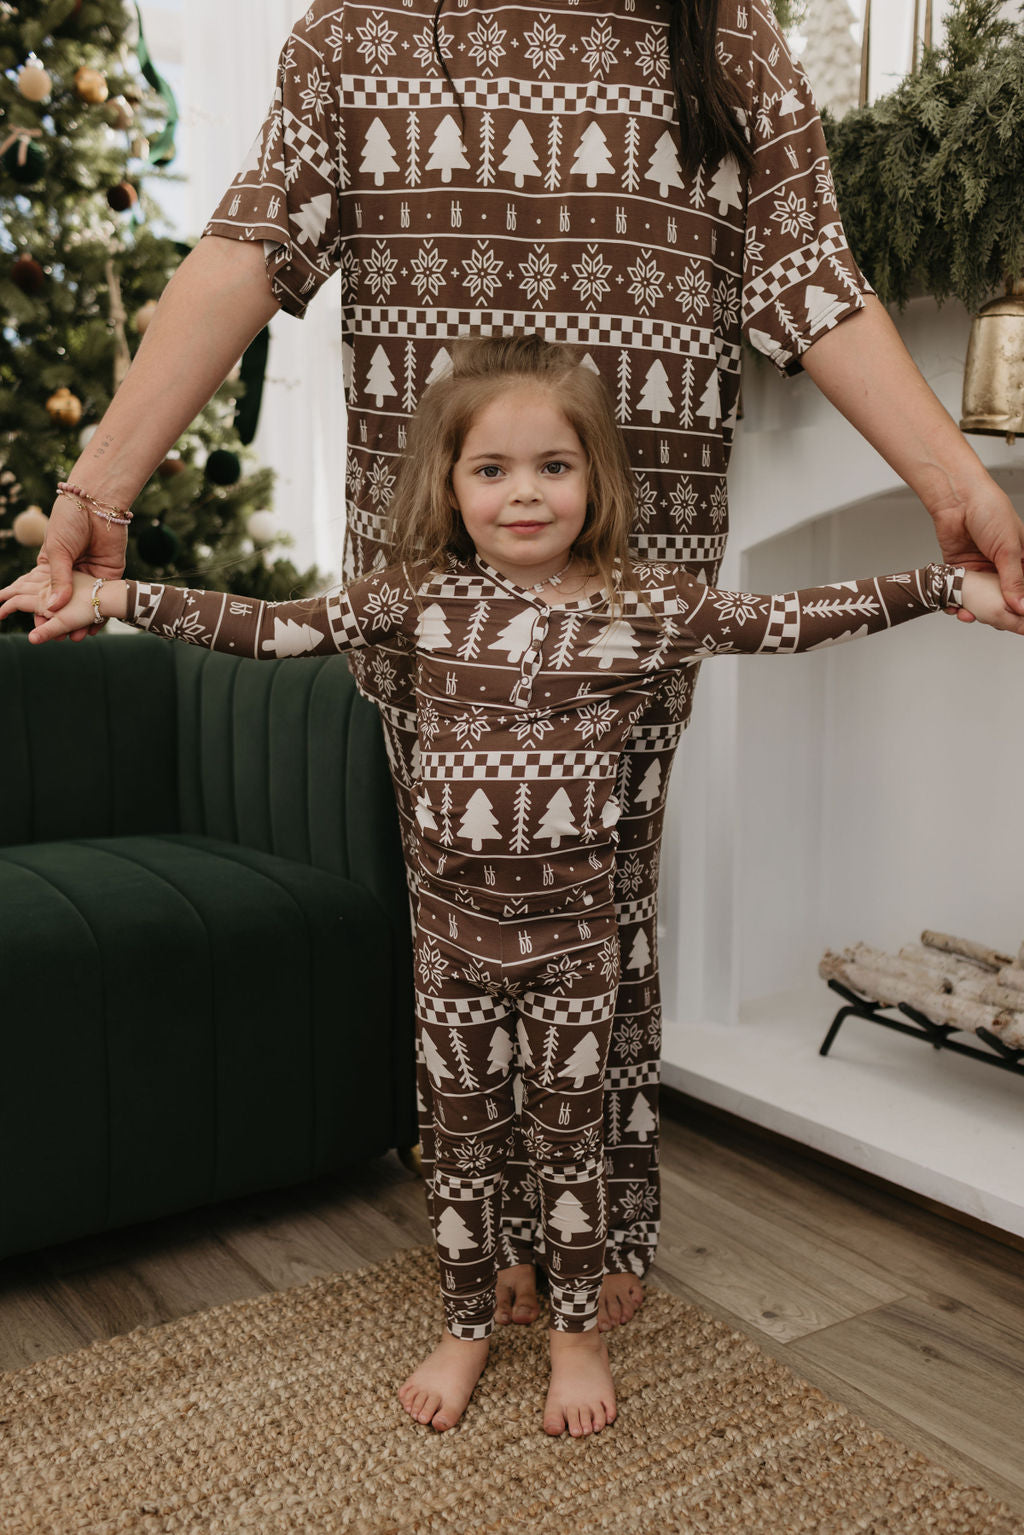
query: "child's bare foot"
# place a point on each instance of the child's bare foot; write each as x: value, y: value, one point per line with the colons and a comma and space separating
x: 622, y: 1295
x: 438, y: 1391
x: 517, y: 1295
x: 581, y: 1397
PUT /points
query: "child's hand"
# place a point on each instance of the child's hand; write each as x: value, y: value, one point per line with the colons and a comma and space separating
x: 31, y: 593
x: 983, y: 599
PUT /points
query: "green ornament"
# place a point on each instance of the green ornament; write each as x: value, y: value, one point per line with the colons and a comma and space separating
x: 223, y: 467
x: 158, y: 545
x: 24, y: 162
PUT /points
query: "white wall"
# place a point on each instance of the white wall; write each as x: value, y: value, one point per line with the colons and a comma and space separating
x: 862, y: 793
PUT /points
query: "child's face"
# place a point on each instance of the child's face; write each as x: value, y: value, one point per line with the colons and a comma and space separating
x: 521, y: 485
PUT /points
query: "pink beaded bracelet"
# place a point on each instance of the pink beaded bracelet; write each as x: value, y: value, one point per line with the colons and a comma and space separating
x: 116, y: 514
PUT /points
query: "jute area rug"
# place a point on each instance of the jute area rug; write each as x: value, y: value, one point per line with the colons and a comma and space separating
x: 279, y: 1414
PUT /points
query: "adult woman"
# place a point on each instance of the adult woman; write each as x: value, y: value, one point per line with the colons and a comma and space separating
x: 498, y: 167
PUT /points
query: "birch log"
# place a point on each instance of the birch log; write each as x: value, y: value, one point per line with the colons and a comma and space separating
x: 990, y: 958
x: 889, y: 991
x: 1013, y: 976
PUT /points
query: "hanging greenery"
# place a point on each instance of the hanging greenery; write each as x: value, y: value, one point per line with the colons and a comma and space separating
x: 929, y: 178
x: 789, y: 13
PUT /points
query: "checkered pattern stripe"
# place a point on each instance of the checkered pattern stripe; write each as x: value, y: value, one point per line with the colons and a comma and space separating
x: 518, y: 765
x: 465, y: 1190
x: 783, y: 632
x: 655, y: 738
x: 572, y: 1172
x: 618, y: 1079
x: 469, y: 1332
x: 637, y: 911
x: 679, y: 548
x: 147, y: 600
x: 342, y: 623
x: 638, y: 332
x: 518, y: 1229
x: 574, y: 1013
x: 374, y: 526
x: 793, y: 268
x: 574, y: 1301
x: 642, y: 1232
x: 303, y: 141
x: 459, y: 1012
x: 546, y: 96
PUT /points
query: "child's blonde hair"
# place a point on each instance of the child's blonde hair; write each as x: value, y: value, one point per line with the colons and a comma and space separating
x: 426, y: 527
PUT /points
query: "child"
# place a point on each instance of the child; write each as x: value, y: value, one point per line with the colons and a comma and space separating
x: 536, y: 642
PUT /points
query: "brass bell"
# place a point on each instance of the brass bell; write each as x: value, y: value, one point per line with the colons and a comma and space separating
x: 993, y: 401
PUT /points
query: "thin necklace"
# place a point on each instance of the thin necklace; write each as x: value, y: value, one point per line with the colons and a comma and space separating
x: 555, y: 580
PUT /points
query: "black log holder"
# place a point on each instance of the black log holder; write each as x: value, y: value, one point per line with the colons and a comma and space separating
x: 920, y: 1027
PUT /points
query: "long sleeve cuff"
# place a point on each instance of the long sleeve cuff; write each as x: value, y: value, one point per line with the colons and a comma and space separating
x: 945, y: 584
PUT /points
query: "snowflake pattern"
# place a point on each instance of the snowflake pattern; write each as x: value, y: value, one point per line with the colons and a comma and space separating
x: 545, y: 50
x: 424, y: 53
x: 591, y: 275
x: 754, y: 250
x: 381, y: 482
x: 538, y: 1147
x: 727, y: 303
x: 683, y: 500
x: 737, y: 607
x: 693, y: 290
x: 629, y: 1039
x: 429, y: 720
x: 629, y: 877
x: 562, y: 974
x: 531, y: 732
x: 385, y: 606
x: 652, y: 56
x: 719, y: 506
x: 793, y: 215
x: 354, y: 475
x: 384, y: 676
x: 377, y: 41
x: 431, y: 965
x: 677, y: 694
x: 471, y: 727
x: 379, y: 271
x: 646, y: 497
x: 428, y: 268
x: 539, y: 274
x: 473, y: 1156
x: 600, y: 47
x: 317, y: 94
x: 595, y: 721
x: 485, y: 46
x: 483, y: 272
x: 646, y: 287
x: 608, y: 959
x: 336, y: 39
x: 826, y: 188
x: 639, y: 1202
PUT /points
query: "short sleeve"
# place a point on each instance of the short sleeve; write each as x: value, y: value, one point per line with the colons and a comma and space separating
x: 799, y: 276
x: 286, y: 193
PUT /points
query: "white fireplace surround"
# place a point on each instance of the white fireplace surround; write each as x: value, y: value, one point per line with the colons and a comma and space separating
x: 862, y: 793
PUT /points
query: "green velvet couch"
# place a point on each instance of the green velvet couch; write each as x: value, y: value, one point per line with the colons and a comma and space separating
x: 205, y: 965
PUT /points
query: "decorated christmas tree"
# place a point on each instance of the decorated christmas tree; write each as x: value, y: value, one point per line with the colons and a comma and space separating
x: 86, y: 124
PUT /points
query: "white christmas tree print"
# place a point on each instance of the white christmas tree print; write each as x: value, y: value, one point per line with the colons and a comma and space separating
x: 453, y: 1233
x: 663, y: 166
x: 557, y: 821
x: 311, y: 219
x: 520, y: 155
x: 524, y: 1044
x: 617, y: 642
x: 500, y: 1057
x: 584, y: 1061
x: 478, y: 823
x: 292, y: 639
x: 380, y: 380
x: 710, y: 406
x: 641, y: 1121
x: 432, y: 629
x: 592, y: 157
x: 425, y: 816
x: 517, y: 636
x: 790, y: 104
x: 656, y: 396
x: 434, y: 1062
x: 640, y: 954
x: 378, y: 153
x: 447, y: 151
x: 441, y: 365
x: 650, y: 786
x: 569, y: 1218
x: 631, y: 178
x: 686, y: 401
x: 725, y: 185
x: 823, y: 308
x: 520, y: 824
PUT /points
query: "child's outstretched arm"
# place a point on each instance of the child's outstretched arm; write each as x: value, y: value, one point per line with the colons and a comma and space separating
x: 790, y: 622
x: 371, y: 611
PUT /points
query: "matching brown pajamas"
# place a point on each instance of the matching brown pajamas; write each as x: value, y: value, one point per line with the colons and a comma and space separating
x: 524, y: 714
x: 550, y: 197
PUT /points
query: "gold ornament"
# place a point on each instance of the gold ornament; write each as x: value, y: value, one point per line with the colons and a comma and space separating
x: 91, y: 85
x: 144, y: 316
x: 993, y: 400
x: 64, y: 407
x: 120, y: 113
x: 29, y: 527
x: 33, y: 81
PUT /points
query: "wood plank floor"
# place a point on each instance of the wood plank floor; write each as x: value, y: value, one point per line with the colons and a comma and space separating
x: 906, y: 1317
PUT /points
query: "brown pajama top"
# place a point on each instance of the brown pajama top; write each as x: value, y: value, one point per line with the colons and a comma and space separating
x: 524, y: 711
x: 550, y: 198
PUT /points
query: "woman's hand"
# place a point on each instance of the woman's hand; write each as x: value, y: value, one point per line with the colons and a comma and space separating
x: 983, y: 599
x: 33, y: 593
x: 982, y: 533
x: 76, y: 540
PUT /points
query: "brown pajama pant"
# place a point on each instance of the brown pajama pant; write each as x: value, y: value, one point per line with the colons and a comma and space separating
x: 537, y: 989
x: 634, y: 1054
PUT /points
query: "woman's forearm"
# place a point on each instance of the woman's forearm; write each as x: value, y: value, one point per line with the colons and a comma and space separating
x: 216, y: 302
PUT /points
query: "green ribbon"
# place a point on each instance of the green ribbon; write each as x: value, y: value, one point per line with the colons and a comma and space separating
x: 162, y: 149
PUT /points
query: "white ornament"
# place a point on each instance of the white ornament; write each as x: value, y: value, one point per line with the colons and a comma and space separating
x: 263, y: 527
x: 29, y: 527
x: 86, y: 435
x: 33, y: 81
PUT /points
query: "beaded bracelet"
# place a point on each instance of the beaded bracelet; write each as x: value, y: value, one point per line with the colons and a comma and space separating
x: 95, y: 599
x: 116, y: 514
